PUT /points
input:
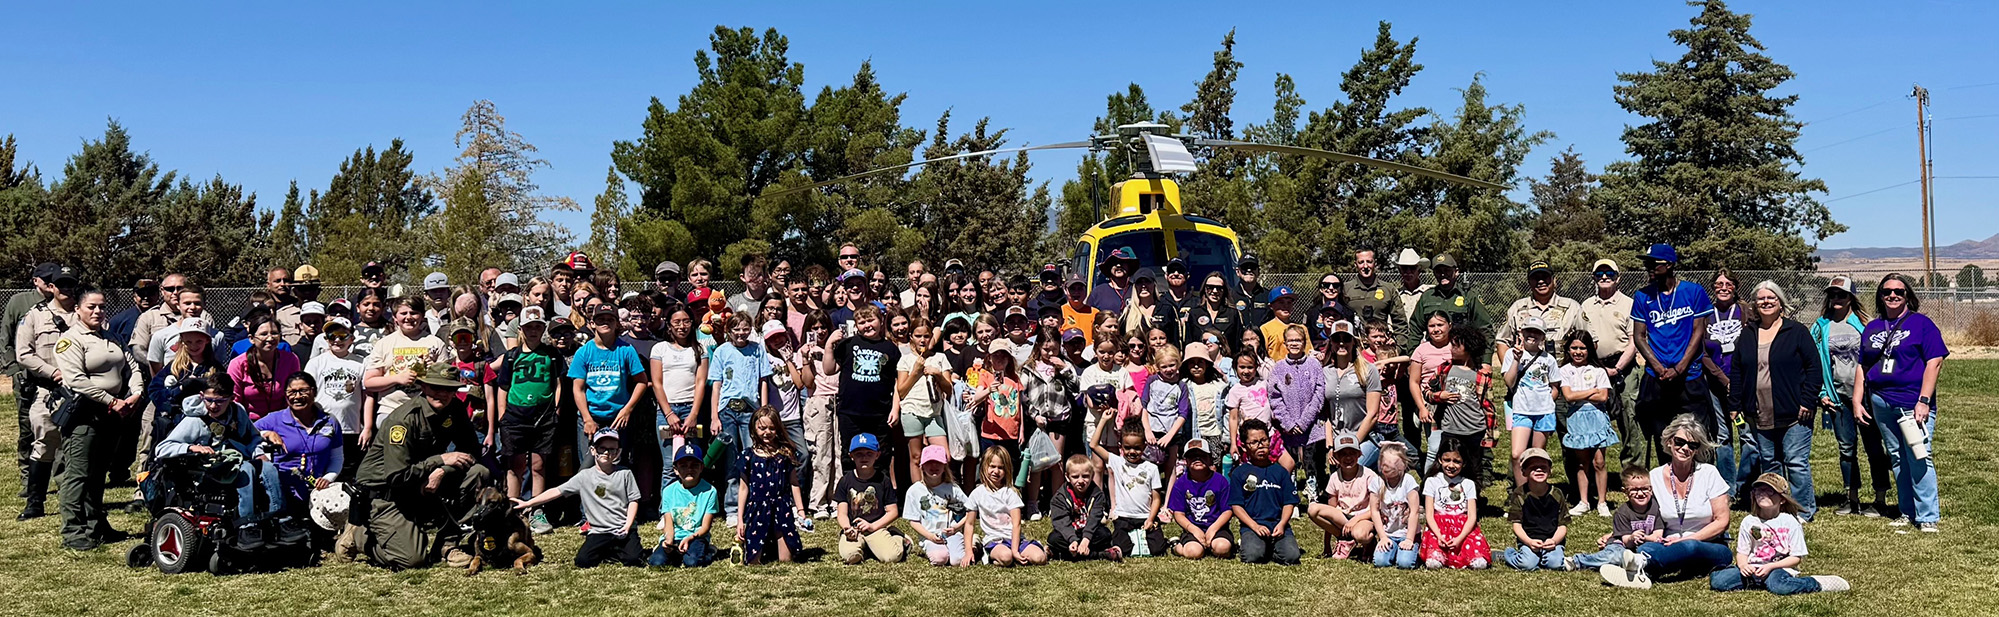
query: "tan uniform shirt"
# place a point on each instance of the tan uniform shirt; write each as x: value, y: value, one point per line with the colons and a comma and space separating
x: 35, y: 340
x: 1409, y: 298
x: 150, y: 322
x: 95, y: 366
x: 1609, y: 322
x: 1559, y: 315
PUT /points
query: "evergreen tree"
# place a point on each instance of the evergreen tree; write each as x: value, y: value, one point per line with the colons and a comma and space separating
x: 1971, y: 278
x: 287, y: 241
x: 23, y: 200
x: 1569, y: 229
x: 1208, y: 113
x: 1482, y: 228
x: 848, y: 130
x: 97, y: 215
x: 978, y: 209
x: 609, y: 209
x: 1715, y: 167
x: 506, y: 229
x: 372, y: 210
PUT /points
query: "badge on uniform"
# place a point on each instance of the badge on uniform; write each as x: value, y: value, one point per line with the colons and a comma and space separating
x: 1203, y: 320
x: 1379, y: 294
x: 1461, y: 300
x: 447, y: 422
x: 62, y: 345
x: 397, y: 433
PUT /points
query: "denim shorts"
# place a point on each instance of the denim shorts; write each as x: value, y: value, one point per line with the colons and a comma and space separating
x: 1544, y: 423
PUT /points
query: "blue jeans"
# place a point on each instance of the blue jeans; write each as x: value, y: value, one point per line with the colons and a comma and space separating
x: 1370, y: 448
x: 1915, y: 480
x: 1389, y: 552
x: 1851, y: 441
x: 1687, y: 557
x: 1527, y: 560
x: 680, y: 412
x: 1780, y: 582
x: 1790, y: 450
x: 1724, y: 449
x: 1612, y: 553
x: 734, y: 434
x: 258, y: 473
x: 698, y: 554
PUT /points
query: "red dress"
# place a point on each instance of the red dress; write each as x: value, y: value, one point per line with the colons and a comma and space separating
x: 1453, y: 500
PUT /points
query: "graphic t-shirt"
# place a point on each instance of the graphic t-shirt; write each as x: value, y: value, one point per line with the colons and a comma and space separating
x: 1722, y: 331
x: 1842, y: 345
x: 1202, y: 502
x: 1629, y: 519
x: 1346, y: 393
x: 865, y: 499
x: 607, y: 375
x: 1208, y: 406
x: 1394, y: 514
x: 737, y: 372
x: 1262, y: 491
x: 1132, y: 487
x: 935, y: 509
x: 396, y: 354
x: 1895, y: 354
x: 530, y: 377
x: 867, y: 376
x: 1452, y: 497
x: 1465, y: 417
x: 995, y: 508
x: 1772, y: 540
x: 604, y: 496
x: 1252, y: 400
x: 687, y: 506
x: 1669, y: 317
x: 1582, y: 378
x: 1534, y: 395
x: 1352, y: 495
x: 339, y: 388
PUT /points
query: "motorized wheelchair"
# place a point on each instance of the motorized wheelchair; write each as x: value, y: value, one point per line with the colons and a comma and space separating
x: 194, y: 524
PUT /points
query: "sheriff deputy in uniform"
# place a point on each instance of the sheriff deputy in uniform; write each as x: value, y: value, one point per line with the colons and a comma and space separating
x: 10, y: 365
x: 421, y: 475
x: 1559, y: 313
x: 35, y: 346
x: 108, y: 385
x: 1251, y: 299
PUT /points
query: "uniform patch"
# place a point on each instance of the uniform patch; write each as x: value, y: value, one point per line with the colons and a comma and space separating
x: 398, y: 433
x: 1461, y: 300
x: 447, y: 423
x: 62, y: 345
x: 489, y: 545
x: 1379, y: 294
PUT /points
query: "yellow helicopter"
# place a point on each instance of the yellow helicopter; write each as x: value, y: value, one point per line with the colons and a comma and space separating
x: 1147, y: 214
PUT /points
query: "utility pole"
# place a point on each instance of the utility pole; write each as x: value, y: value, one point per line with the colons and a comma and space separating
x: 1922, y: 96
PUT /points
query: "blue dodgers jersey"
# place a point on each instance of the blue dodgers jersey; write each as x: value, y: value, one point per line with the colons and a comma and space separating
x: 1669, y: 320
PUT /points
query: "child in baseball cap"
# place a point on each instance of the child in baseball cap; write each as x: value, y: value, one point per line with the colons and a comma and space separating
x: 935, y: 509
x: 867, y: 507
x: 686, y: 507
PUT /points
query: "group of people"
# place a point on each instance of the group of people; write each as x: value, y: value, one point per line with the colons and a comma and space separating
x: 969, y: 403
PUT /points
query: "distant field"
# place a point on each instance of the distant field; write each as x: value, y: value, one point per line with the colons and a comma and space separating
x: 1952, y: 573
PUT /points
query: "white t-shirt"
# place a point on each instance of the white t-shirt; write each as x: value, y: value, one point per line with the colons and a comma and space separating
x: 396, y: 354
x: 1450, y: 497
x: 340, y: 392
x: 1685, y: 516
x: 1769, y: 541
x: 1535, y: 394
x: 934, y: 509
x: 1582, y: 378
x: 677, y: 368
x: 995, y: 511
x: 1394, y: 514
x: 1132, y: 487
x: 923, y: 400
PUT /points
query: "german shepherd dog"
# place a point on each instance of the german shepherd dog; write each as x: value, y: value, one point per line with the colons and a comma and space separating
x: 499, y: 535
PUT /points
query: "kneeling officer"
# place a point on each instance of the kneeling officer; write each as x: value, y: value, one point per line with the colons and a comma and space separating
x: 421, y: 475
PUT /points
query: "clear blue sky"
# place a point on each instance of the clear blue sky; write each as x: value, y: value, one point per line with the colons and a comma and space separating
x: 264, y: 93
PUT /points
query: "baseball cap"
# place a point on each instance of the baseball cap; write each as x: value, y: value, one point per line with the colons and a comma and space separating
x: 1248, y: 262
x: 305, y: 275
x: 1603, y: 264
x: 934, y: 454
x: 1176, y: 265
x: 1195, y: 445
x: 312, y: 308
x: 1067, y: 335
x: 1661, y: 252
x: 462, y: 324
x: 579, y: 262
x: 1013, y: 311
x: 699, y: 295
x: 1346, y: 441
x: 195, y: 325
x: 507, y: 279
x: 1280, y: 293
x: 666, y: 267
x: 686, y: 451
x: 1533, y: 322
x: 1048, y: 310
x: 1444, y: 261
x: 999, y: 345
x: 954, y: 264
x: 436, y: 280
x: 603, y: 434
x: 505, y: 299
x: 1842, y: 283
x: 373, y: 266
x: 1146, y: 276
x: 533, y: 314
x: 1534, y: 453
x: 1051, y: 273
x: 1342, y: 327
x: 1122, y: 253
x: 864, y: 441
x: 605, y: 311
x: 851, y: 274
x: 1074, y: 280
x: 1540, y: 266
x: 774, y: 328
x: 440, y: 374
x: 337, y: 323
x: 52, y: 272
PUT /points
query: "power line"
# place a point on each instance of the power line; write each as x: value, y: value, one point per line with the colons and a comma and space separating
x: 1851, y: 140
x: 1970, y: 117
x: 1891, y: 186
x: 1996, y: 83
x: 1849, y: 113
x: 1966, y: 177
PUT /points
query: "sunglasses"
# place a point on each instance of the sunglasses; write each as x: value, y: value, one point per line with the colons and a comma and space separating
x: 1606, y: 275
x: 1681, y: 443
x: 1328, y: 284
x: 1893, y: 291
x: 173, y: 289
x: 851, y: 256
x: 339, y: 338
x: 1213, y: 287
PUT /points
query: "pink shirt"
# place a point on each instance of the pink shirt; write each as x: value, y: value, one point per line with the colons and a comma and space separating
x: 1430, y: 357
x: 262, y: 397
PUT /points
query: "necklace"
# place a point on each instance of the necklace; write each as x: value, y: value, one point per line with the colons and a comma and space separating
x: 1680, y: 491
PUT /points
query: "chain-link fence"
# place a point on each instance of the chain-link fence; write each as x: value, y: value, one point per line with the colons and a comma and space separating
x: 1954, y: 310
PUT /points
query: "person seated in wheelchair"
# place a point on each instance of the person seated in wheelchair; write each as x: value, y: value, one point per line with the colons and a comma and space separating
x: 213, y: 425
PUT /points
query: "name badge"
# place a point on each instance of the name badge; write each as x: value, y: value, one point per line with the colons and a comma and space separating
x: 1888, y: 365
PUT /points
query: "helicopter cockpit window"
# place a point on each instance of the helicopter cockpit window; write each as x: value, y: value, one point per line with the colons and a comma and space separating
x: 1149, y: 246
x: 1147, y: 202
x: 1206, y: 253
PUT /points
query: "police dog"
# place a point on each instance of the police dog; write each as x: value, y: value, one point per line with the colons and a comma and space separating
x: 499, y: 535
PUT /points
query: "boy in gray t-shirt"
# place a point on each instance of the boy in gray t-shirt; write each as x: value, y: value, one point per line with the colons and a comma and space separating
x: 610, y: 504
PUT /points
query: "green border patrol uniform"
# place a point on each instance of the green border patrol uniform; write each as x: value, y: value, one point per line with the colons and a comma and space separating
x: 408, y: 528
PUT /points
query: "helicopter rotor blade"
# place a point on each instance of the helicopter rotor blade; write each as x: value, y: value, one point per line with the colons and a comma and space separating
x: 1350, y: 158
x: 883, y: 170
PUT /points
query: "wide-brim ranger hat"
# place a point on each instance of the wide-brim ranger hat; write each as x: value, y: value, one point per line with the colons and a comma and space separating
x: 330, y: 506
x: 1777, y: 483
x: 1409, y: 258
x: 440, y: 374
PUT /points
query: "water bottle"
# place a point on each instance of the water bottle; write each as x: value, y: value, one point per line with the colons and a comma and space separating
x: 1912, y: 433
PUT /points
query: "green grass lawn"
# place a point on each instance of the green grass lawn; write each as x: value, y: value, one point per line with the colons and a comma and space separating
x: 1951, y: 573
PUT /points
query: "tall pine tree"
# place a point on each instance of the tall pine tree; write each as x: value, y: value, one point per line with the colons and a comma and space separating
x: 1715, y: 167
x: 372, y: 210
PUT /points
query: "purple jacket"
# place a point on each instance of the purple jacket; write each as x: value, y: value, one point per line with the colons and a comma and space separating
x: 1298, y: 397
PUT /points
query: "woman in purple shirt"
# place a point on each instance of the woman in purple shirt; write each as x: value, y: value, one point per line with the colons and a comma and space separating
x: 1901, y: 353
x: 1298, y: 401
x: 307, y: 439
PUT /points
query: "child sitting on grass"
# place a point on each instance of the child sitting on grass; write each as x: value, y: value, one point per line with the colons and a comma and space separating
x: 610, y: 505
x: 1263, y: 497
x: 1539, y: 514
x: 1134, y: 495
x: 1454, y: 540
x: 937, y: 511
x: 1632, y: 525
x: 1769, y: 546
x: 1077, y: 512
x: 1347, y: 514
x: 867, y: 507
x: 1199, y: 501
x: 687, y: 508
x: 998, y: 507
x: 1396, y: 511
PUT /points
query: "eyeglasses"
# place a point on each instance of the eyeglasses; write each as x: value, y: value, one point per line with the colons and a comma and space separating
x: 217, y: 400
x: 1893, y: 291
x: 1606, y: 275
x: 1638, y: 489
x: 299, y: 391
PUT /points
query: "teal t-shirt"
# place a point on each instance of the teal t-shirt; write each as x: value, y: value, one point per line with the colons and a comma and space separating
x: 608, y: 375
x: 686, y: 507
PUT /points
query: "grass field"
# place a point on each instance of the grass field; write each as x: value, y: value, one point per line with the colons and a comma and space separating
x: 1952, y: 573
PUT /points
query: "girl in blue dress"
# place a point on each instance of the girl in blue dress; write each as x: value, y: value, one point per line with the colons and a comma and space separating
x: 768, y: 495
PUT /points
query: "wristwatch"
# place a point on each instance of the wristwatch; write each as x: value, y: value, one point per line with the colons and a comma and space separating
x: 1927, y: 401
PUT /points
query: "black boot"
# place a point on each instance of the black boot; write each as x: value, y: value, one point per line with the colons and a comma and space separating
x: 37, y: 490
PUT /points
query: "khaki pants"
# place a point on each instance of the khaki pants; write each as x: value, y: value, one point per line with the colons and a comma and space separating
x: 417, y: 531
x: 824, y: 439
x: 885, y: 545
x: 41, y: 423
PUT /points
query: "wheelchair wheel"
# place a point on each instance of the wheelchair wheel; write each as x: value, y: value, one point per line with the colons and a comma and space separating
x: 178, y: 545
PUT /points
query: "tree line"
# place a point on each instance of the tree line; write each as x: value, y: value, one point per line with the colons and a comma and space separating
x: 1712, y: 168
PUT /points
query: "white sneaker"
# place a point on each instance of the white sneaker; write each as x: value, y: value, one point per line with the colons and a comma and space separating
x: 1832, y: 583
x: 1582, y: 507
x: 1618, y: 577
x: 1900, y: 521
x: 1928, y: 527
x: 1603, y: 510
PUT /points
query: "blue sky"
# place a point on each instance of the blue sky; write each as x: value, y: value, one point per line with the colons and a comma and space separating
x: 264, y: 93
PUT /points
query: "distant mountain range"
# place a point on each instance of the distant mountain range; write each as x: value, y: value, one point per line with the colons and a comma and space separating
x: 1968, y: 249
